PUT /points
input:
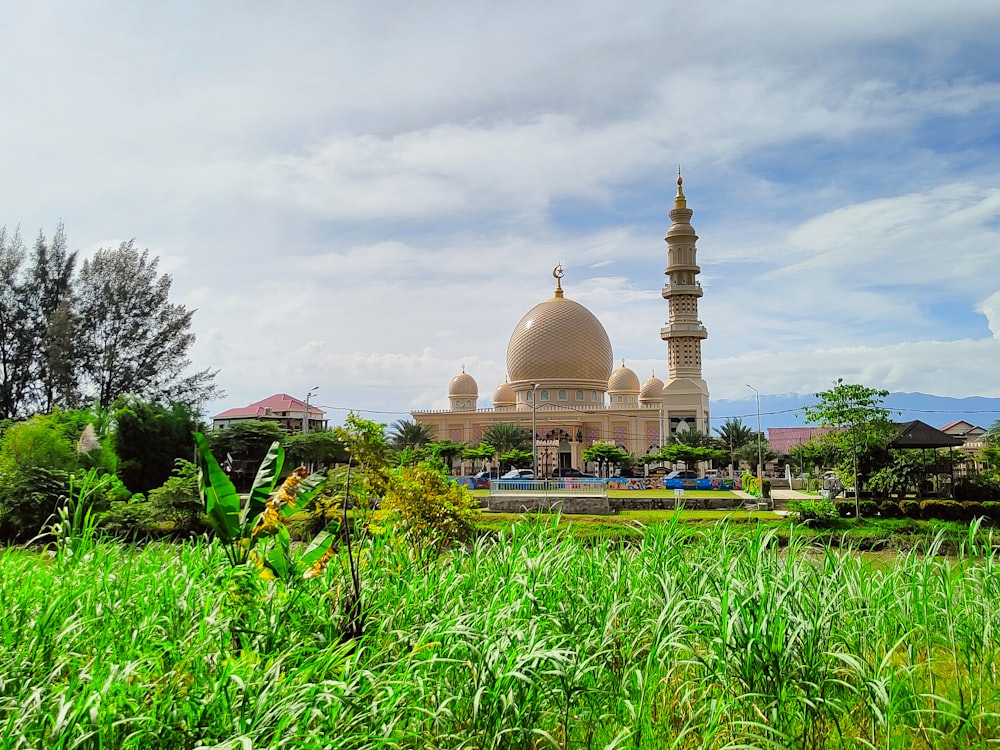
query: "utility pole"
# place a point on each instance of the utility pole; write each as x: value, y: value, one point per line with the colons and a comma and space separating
x: 305, y: 412
x: 534, y: 432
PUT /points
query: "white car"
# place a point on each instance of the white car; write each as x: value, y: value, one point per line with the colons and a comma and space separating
x: 519, y: 474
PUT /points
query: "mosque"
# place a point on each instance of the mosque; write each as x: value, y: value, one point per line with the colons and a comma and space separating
x: 562, y: 383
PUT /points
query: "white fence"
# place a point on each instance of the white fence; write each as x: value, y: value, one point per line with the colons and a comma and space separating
x: 557, y: 487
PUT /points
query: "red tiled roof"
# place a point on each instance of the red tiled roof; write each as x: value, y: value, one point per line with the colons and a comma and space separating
x: 783, y: 439
x: 278, y: 403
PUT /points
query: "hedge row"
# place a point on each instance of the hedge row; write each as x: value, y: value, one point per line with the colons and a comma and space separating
x: 941, y: 510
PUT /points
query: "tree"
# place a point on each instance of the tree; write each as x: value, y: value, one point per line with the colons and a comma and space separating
x: 317, y: 448
x: 134, y: 341
x: 15, y: 333
x: 992, y: 435
x: 447, y: 451
x: 606, y: 456
x: 733, y: 434
x: 149, y: 439
x: 408, y: 433
x: 860, y: 425
x: 506, y: 437
x: 243, y: 446
x: 51, y: 323
x: 692, y: 438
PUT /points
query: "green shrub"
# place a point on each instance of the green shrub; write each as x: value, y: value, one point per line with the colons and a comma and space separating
x: 890, y: 509
x: 29, y: 498
x: 942, y: 510
x: 174, y: 508
x: 814, y: 512
x: 991, y: 509
x: 765, y: 488
x: 845, y: 508
x: 910, y: 508
x: 980, y: 487
x: 972, y: 510
x: 868, y: 508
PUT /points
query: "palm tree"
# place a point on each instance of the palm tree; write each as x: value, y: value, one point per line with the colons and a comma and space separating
x: 692, y: 439
x: 407, y: 433
x: 733, y: 434
x: 506, y: 436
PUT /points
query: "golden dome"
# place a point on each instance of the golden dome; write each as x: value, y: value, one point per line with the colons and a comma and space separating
x: 623, y: 380
x: 559, y: 339
x: 504, y: 395
x: 652, y: 391
x: 463, y: 384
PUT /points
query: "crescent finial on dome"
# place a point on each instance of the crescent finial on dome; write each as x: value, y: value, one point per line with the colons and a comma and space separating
x: 557, y: 274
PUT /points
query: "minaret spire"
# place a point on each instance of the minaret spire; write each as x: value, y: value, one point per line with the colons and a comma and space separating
x: 683, y: 332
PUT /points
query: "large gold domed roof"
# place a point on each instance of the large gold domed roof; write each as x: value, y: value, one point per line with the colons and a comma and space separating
x: 559, y: 339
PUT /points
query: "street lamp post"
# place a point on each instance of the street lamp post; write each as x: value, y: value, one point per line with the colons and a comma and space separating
x: 534, y: 431
x: 305, y: 412
x: 760, y: 449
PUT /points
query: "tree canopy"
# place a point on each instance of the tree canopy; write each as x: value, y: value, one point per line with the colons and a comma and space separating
x: 107, y: 331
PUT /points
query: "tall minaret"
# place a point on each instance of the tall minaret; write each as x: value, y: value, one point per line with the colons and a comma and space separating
x: 685, y: 394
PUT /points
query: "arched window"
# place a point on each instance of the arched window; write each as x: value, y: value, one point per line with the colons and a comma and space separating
x: 562, y: 395
x: 620, y: 399
x: 545, y: 395
x: 579, y: 395
x: 593, y: 395
x: 530, y: 395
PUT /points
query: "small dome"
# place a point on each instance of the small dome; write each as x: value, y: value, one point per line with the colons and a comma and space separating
x: 504, y: 395
x: 652, y: 391
x: 623, y: 380
x: 463, y: 384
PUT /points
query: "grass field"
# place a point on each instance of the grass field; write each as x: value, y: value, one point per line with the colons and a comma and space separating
x: 695, y: 637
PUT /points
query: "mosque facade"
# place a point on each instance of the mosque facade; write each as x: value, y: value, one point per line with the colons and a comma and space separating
x: 563, y: 384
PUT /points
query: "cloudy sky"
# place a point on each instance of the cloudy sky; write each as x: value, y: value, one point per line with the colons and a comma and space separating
x: 367, y: 196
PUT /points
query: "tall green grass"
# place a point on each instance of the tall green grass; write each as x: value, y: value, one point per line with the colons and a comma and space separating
x: 695, y: 638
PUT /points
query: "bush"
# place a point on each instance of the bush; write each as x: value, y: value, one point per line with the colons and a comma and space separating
x: 426, y: 504
x: 991, y: 509
x: 845, y: 508
x: 28, y: 499
x: 890, y: 509
x: 973, y: 510
x: 910, y: 508
x: 174, y: 508
x: 868, y: 508
x: 942, y: 510
x: 979, y: 487
x: 814, y: 512
x: 765, y: 488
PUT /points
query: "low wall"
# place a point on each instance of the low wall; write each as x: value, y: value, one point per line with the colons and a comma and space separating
x: 671, y: 503
x: 523, y: 503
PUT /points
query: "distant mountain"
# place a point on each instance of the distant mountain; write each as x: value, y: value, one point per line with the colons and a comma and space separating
x: 786, y: 410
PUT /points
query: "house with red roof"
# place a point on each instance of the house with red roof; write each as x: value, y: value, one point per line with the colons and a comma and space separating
x: 287, y: 411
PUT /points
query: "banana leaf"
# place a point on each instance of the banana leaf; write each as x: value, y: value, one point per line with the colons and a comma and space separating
x: 278, y: 558
x: 263, y: 486
x: 320, y: 544
x: 222, y: 502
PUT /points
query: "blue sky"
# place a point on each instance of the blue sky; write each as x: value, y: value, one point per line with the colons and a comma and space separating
x: 368, y: 196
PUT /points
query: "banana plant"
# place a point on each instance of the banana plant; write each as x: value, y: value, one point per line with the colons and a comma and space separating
x: 261, y: 520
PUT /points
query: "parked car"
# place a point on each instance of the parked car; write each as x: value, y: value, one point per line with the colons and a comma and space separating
x: 519, y: 474
x: 569, y: 471
x: 488, y: 474
x: 682, y: 474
